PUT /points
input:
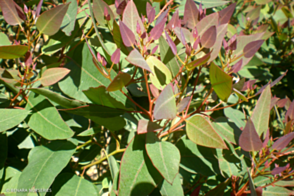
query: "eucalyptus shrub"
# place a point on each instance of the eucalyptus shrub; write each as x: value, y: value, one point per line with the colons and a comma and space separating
x: 136, y: 98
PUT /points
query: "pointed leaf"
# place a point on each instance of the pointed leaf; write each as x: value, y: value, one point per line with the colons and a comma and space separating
x: 225, y: 14
x: 251, y: 185
x: 183, y: 104
x: 115, y: 57
x: 277, y: 191
x: 290, y: 112
x: 165, y: 106
x: 191, y: 14
x: 150, y: 12
x: 127, y: 35
x: 120, y: 81
x: 131, y: 17
x: 39, y: 7
x: 198, y: 62
x: 161, y: 76
x: 174, y: 22
x: 50, y: 21
x: 136, y: 170
x: 138, y: 60
x: 221, y: 31
x: 71, y: 184
x: 221, y: 82
x: 57, y: 98
x: 171, y: 43
x: 52, y: 157
x: 261, y: 112
x: 9, y: 12
x: 164, y: 156
x: 156, y: 31
x: 100, y: 96
x: 45, y: 119
x: 228, y: 130
x: 282, y: 142
x: 9, y: 118
x: 209, y: 37
x: 206, y: 23
x: 53, y: 75
x: 13, y: 51
x: 251, y: 48
x: 249, y: 139
x: 145, y: 126
x: 201, y: 132
x: 69, y: 20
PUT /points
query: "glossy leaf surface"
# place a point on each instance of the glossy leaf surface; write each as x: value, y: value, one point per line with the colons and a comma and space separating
x: 11, y: 117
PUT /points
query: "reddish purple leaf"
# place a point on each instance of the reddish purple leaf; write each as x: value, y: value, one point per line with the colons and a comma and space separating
x: 249, y: 139
x: 251, y: 48
x: 233, y: 43
x: 183, y: 104
x: 264, y: 144
x: 258, y: 191
x: 127, y: 35
x: 174, y: 22
x: 138, y: 28
x: 274, y: 100
x: 53, y: 75
x: 165, y: 106
x: 196, y: 43
x: 221, y: 31
x: 28, y: 59
x: 209, y: 37
x: 156, y: 32
x: 282, y: 102
x: 183, y: 37
x: 225, y: 44
x: 248, y: 85
x: 206, y: 23
x: 225, y: 14
x: 154, y: 49
x: 282, y: 142
x: 191, y: 14
x: 115, y: 57
x: 120, y: 6
x: 195, y: 33
x: 38, y: 10
x: 25, y: 9
x: 150, y: 12
x: 20, y: 12
x: 279, y: 170
x: 106, y: 14
x: 9, y: 12
x: 137, y: 59
x: 162, y: 17
x: 290, y: 112
x: 196, y: 191
x: 171, y: 43
x: 271, y: 84
x: 145, y: 126
x: 238, y: 66
x: 154, y: 91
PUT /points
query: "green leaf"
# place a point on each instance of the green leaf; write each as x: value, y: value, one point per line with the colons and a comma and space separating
x: 165, y: 105
x: 57, y: 98
x: 164, y: 156
x: 251, y: 185
x: 45, y: 163
x: 120, y: 81
x: 13, y: 51
x: 9, y: 12
x: 53, y: 75
x: 261, y: 112
x: 201, y: 132
x: 219, y: 189
x: 227, y: 130
x: 11, y: 117
x: 228, y: 163
x: 198, y: 62
x: 93, y: 110
x: 277, y: 191
x: 197, y: 159
x: 174, y: 189
x: 45, y: 119
x: 3, y: 149
x: 221, y: 82
x: 137, y: 174
x: 138, y: 60
x: 50, y: 21
x: 84, y: 75
x: 11, y: 181
x: 70, y: 184
x: 4, y: 40
x: 100, y: 96
x: 68, y: 23
x: 161, y: 76
x: 236, y: 116
x: 167, y: 57
x: 113, y: 124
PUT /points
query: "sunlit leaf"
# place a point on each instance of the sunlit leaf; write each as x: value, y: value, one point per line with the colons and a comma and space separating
x: 156, y: 31
x: 191, y: 14
x: 145, y: 126
x: 209, y: 37
x: 50, y: 21
x: 98, y: 10
x: 226, y: 129
x: 201, y: 132
x: 9, y: 12
x: 115, y: 57
x: 53, y: 75
x: 69, y: 20
x: 164, y: 156
x: 161, y: 76
x: 174, y: 189
x: 251, y: 48
x: 198, y: 62
x: 127, y: 35
x: 221, y: 31
x: 165, y: 106
x: 249, y: 139
x: 221, y: 82
x: 226, y: 14
x: 13, y: 51
x: 171, y: 43
x: 282, y: 142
